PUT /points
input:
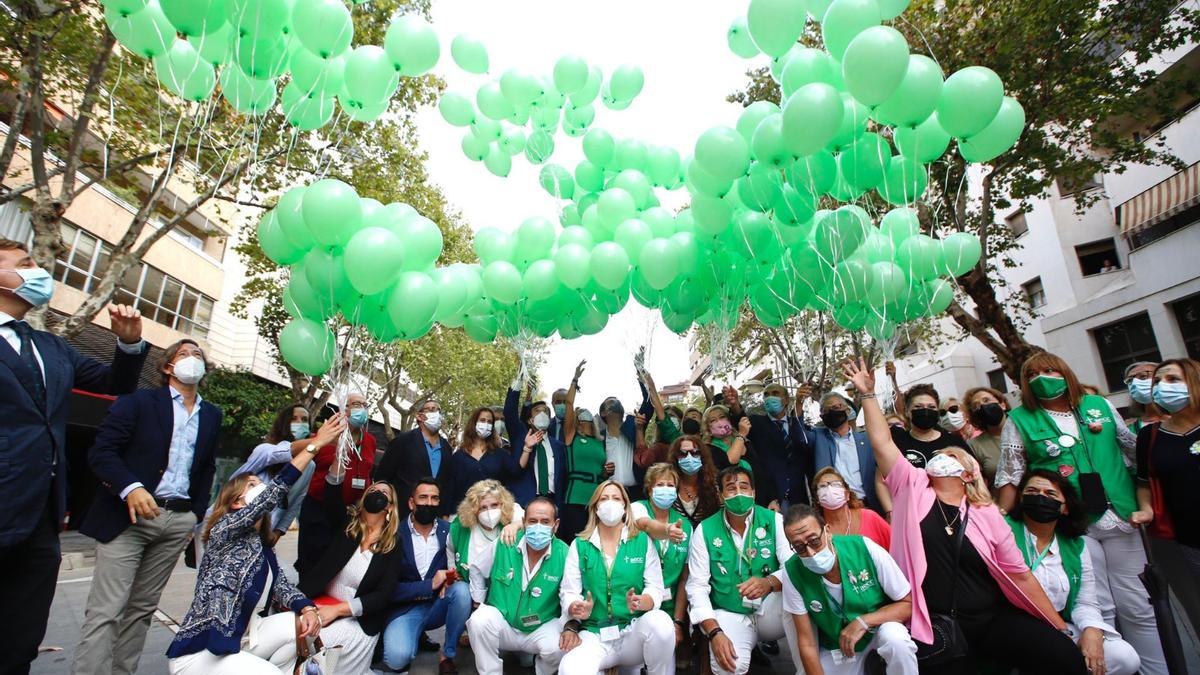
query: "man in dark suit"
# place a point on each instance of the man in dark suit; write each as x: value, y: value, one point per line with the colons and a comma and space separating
x: 544, y: 469
x: 838, y: 444
x: 415, y: 453
x: 427, y: 595
x: 37, y: 372
x: 155, y: 457
x: 781, y: 440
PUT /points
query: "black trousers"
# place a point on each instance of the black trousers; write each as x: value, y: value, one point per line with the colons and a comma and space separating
x: 1012, y: 638
x: 315, y: 533
x: 28, y: 577
x: 572, y: 520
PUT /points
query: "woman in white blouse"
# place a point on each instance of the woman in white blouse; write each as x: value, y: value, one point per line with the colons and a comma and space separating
x: 486, y: 513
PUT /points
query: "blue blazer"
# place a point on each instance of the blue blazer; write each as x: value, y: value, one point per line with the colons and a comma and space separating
x: 133, y: 445
x: 524, y: 484
x: 411, y: 587
x: 33, y: 458
x: 824, y: 449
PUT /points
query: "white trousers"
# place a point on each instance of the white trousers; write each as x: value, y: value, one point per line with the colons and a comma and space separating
x: 273, y: 653
x: 893, y: 643
x: 1119, y: 656
x: 1118, y: 558
x: 356, y: 647
x: 746, y: 630
x: 649, y: 640
x: 491, y: 634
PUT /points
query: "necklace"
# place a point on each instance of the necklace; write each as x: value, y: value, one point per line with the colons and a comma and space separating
x: 949, y: 522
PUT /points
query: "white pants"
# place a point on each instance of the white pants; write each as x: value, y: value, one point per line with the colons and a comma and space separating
x: 491, y: 634
x: 356, y: 647
x: 893, y: 643
x: 746, y: 630
x: 649, y: 640
x: 1123, y: 599
x: 1119, y: 656
x: 273, y: 653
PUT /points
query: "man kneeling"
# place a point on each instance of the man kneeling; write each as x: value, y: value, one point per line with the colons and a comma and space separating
x: 852, y: 593
x: 519, y: 607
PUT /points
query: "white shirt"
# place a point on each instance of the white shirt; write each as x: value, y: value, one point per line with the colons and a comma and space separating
x: 344, y: 586
x: 481, y: 567
x: 618, y: 451
x: 846, y: 461
x: 185, y: 428
x: 698, y: 586
x: 1051, y: 574
x: 544, y: 489
x: 893, y: 582
x: 572, y: 584
x: 424, y: 548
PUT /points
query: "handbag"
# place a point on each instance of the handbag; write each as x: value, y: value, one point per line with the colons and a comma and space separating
x: 316, y: 660
x: 1162, y: 526
x: 949, y: 643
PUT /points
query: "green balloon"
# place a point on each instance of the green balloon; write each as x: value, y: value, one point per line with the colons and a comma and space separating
x: 274, y: 244
x: 900, y: 224
x: 840, y: 233
x: 502, y: 281
x: 752, y: 116
x: 888, y: 282
x: 315, y: 75
x: 263, y: 58
x: 305, y: 112
x: 521, y: 88
x: 470, y: 54
x: 535, y: 237
x: 423, y: 240
x: 879, y: 328
x: 373, y: 257
x: 491, y: 245
x: 145, y: 31
x: 615, y: 206
x: 512, y: 139
x: 854, y: 316
x: 182, y: 71
x: 370, y: 75
x: 660, y: 220
x: 917, y: 96
x: 632, y: 235
x: 712, y: 214
x: 793, y: 207
x: 919, y: 256
x: 215, y: 46
x: 475, y: 148
x: 539, y: 147
x: 806, y: 66
x: 487, y: 129
x: 700, y: 181
x: 767, y: 144
x: 570, y: 74
x: 844, y: 20
x: 851, y: 279
x: 662, y: 165
x: 498, y: 162
x: 862, y: 163
x: 970, y: 99
x: 874, y: 64
x: 939, y: 294
x: 304, y: 302
x: 456, y: 109
x: 925, y: 143
x: 540, y: 280
x: 412, y: 302
x: 723, y: 153
x: 636, y: 184
x: 194, y: 17
x: 752, y: 236
x: 961, y: 252
x: 557, y: 181
x: 324, y: 27
x: 581, y: 116
x: 291, y: 218
x: 589, y: 176
x: 481, y: 328
x: 626, y: 82
x: 412, y: 45
x: 332, y: 211
x: 761, y: 187
x: 575, y: 234
x: 609, y: 265
x: 904, y: 181
x: 814, y: 174
x: 307, y: 346
x: 775, y: 25
x: 599, y: 147
x: 326, y: 275
x: 591, y: 88
x: 854, y: 123
x: 572, y: 264
x: 998, y: 136
x: 630, y: 153
x: 646, y: 295
x: 261, y: 17
x: 492, y: 103
x: 811, y: 117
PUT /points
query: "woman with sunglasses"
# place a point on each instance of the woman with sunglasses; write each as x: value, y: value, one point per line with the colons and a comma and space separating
x: 844, y: 512
x: 696, y: 496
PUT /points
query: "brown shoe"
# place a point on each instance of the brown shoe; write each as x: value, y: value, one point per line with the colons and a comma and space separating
x: 447, y: 667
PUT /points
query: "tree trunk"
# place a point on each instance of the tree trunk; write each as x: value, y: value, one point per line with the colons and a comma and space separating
x: 991, y: 324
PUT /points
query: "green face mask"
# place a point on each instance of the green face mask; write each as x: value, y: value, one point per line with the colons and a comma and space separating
x: 1048, y: 387
x: 739, y: 505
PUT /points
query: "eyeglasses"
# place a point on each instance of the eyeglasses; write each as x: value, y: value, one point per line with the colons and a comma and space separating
x: 357, y: 405
x: 815, y: 544
x: 832, y: 483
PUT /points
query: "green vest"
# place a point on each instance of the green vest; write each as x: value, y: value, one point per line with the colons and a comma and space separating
x: 585, y: 465
x: 461, y: 536
x: 1097, y: 452
x: 861, y: 592
x: 1071, y: 550
x: 728, y: 566
x: 539, y: 603
x: 673, y: 556
x: 608, y: 588
x: 724, y: 447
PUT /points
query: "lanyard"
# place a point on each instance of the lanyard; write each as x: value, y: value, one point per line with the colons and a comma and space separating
x: 747, y: 544
x: 1033, y: 564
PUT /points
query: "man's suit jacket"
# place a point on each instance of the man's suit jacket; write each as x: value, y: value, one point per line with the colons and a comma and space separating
x: 406, y: 462
x: 411, y: 586
x: 788, y: 461
x: 33, y: 459
x: 825, y: 451
x: 133, y: 445
x: 524, y: 486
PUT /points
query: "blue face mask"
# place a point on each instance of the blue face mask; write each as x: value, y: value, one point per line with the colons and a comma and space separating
x: 1139, y: 390
x: 560, y: 410
x: 300, y: 430
x: 821, y: 562
x: 359, y: 417
x: 538, y: 536
x: 1171, y: 396
x: 690, y: 465
x: 37, y: 286
x: 773, y: 405
x: 663, y: 496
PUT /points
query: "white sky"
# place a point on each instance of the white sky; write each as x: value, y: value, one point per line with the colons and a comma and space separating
x: 680, y: 46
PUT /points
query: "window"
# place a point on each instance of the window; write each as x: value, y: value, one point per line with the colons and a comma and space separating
x: 1098, y: 257
x: 1187, y: 315
x: 997, y: 381
x: 84, y: 259
x: 1068, y: 187
x: 1016, y: 224
x: 1184, y: 218
x: 1122, y: 343
x: 1034, y: 292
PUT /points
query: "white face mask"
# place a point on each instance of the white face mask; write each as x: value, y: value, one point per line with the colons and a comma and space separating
x: 498, y: 428
x: 610, y: 512
x: 433, y: 420
x: 944, y: 466
x: 483, y: 430
x: 253, y: 493
x: 189, y: 370
x: 953, y: 421
x: 541, y: 421
x: 489, y: 518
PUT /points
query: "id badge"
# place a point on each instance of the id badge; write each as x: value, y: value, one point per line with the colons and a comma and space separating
x: 358, y: 483
x: 755, y: 604
x: 530, y: 620
x: 839, y: 658
x: 609, y: 633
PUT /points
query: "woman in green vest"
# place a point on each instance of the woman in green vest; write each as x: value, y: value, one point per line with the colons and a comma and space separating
x: 671, y: 533
x: 586, y: 461
x: 1048, y: 523
x: 485, y: 514
x: 611, y: 591
x: 1083, y: 438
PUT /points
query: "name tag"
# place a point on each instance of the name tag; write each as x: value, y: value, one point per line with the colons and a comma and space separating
x: 755, y: 604
x: 530, y: 620
x: 358, y: 483
x: 609, y: 633
x: 840, y: 658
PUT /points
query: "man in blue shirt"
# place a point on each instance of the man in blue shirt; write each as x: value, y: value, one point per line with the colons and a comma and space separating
x: 416, y: 453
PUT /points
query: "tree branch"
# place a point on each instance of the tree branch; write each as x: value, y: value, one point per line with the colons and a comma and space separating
x: 16, y: 125
x: 83, y: 116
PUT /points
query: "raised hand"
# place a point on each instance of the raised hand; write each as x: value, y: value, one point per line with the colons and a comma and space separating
x: 580, y: 610
x: 579, y: 370
x: 640, y: 420
x: 862, y: 376
x: 533, y: 438
x: 330, y: 430
x: 675, y: 532
x: 126, y: 322
x: 744, y: 425
x: 803, y: 392
x: 731, y: 395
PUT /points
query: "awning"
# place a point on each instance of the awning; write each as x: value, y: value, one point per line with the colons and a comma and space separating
x: 1160, y: 202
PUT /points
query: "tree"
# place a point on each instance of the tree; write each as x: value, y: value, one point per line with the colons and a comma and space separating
x: 249, y: 405
x: 1081, y: 69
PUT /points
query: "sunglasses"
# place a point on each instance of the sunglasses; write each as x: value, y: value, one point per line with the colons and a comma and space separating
x: 950, y: 409
x: 694, y: 452
x: 814, y: 544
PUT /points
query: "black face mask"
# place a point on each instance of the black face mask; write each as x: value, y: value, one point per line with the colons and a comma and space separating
x: 1040, y: 508
x: 988, y: 415
x: 834, y: 418
x: 690, y: 427
x: 425, y: 513
x: 925, y: 418
x: 375, y: 502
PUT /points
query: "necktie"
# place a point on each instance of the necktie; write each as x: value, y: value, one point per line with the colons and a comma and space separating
x: 782, y: 428
x: 25, y: 333
x: 543, y: 473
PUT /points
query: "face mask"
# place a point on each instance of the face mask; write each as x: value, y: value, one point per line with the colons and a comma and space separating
x: 375, y: 502
x: 676, y: 421
x: 498, y: 428
x: 834, y: 419
x: 37, y: 286
x: 538, y: 536
x: 943, y: 466
x: 541, y: 421
x: 188, y: 370
x: 773, y: 405
x: 483, y: 430
x: 433, y: 420
x: 832, y: 496
x: 359, y: 417
x: 560, y: 410
x: 988, y: 415
x: 299, y: 430
x: 739, y: 505
x: 690, y: 464
x: 1048, y: 387
x: 586, y: 416
x: 821, y: 562
x: 425, y: 513
x: 253, y: 493
x: 720, y: 428
x: 663, y: 496
x: 610, y: 512
x: 690, y: 427
x: 1171, y: 396
x: 489, y: 518
x: 924, y: 418
x: 1040, y: 508
x: 953, y: 421
x: 1139, y: 390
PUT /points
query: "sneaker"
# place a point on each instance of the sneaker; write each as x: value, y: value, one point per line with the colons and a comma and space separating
x: 447, y: 667
x: 424, y: 644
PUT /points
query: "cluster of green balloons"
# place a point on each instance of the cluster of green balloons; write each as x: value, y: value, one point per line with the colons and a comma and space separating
x: 249, y: 47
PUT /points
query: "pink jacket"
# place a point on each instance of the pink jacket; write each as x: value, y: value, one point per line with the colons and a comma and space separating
x: 912, y: 497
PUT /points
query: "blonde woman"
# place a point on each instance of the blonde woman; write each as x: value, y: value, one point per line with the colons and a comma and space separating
x: 486, y: 513
x: 611, y: 591
x: 352, y: 582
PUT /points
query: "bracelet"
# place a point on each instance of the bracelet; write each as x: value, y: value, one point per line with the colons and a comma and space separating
x: 681, y: 623
x: 864, y: 624
x: 712, y: 634
x: 863, y: 397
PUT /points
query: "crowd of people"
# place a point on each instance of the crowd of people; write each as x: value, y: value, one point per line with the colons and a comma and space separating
x: 953, y: 535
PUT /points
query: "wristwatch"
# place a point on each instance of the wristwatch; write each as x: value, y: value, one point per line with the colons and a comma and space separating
x: 312, y: 449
